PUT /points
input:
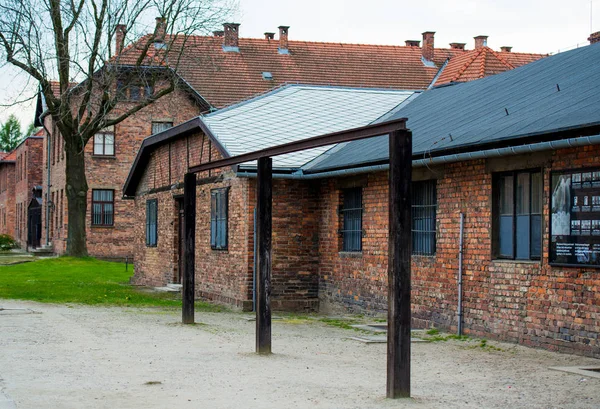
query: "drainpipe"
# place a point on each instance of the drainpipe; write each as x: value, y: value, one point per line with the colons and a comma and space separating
x: 460, y: 275
x: 48, y: 184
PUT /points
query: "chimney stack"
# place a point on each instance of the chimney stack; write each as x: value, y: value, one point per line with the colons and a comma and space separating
x: 594, y: 37
x: 506, y: 49
x: 480, y: 41
x: 428, y: 49
x: 218, y: 33
x: 269, y: 36
x: 120, y: 32
x: 283, y: 40
x: 457, y: 46
x: 231, y: 39
x: 160, y: 30
x: 412, y: 43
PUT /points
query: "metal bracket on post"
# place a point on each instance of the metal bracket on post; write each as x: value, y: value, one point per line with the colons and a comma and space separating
x: 399, y: 257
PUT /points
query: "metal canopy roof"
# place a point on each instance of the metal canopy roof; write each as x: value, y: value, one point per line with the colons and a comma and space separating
x: 297, y: 112
x: 556, y: 94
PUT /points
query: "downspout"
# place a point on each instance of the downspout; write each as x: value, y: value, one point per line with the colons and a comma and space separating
x: 48, y: 184
x: 460, y: 275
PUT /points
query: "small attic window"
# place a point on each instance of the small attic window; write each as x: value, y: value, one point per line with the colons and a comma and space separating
x: 267, y: 75
x: 160, y: 45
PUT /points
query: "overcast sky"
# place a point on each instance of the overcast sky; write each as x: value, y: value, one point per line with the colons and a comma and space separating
x: 538, y: 26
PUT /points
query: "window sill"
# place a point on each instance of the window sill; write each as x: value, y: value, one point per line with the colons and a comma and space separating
x: 350, y: 254
x: 425, y: 257
x: 95, y: 226
x: 104, y: 157
x: 225, y: 250
x: 508, y: 261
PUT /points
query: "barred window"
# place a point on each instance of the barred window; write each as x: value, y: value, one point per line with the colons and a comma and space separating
x: 151, y: 223
x: 218, y: 218
x: 102, y: 207
x: 352, y: 217
x: 424, y: 208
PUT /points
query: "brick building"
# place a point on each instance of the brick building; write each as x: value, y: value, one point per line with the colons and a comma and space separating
x: 7, y: 193
x: 223, y: 69
x: 516, y: 154
x: 28, y: 192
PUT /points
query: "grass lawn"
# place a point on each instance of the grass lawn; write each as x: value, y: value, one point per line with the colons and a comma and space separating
x: 82, y: 281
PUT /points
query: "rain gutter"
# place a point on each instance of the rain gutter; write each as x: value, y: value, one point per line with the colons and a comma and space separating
x: 439, y: 160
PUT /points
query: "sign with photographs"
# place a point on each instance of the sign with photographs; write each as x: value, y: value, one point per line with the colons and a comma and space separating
x: 575, y: 218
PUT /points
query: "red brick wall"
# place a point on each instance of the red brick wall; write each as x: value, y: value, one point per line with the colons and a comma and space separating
x: 104, y: 172
x: 531, y: 303
x: 7, y: 199
x: 227, y: 275
x: 29, y: 155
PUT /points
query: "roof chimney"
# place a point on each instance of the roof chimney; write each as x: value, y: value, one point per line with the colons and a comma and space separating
x: 231, y: 39
x: 594, y: 37
x: 218, y: 33
x: 283, y: 40
x: 506, y: 49
x: 457, y: 46
x: 160, y: 30
x: 480, y: 41
x: 428, y: 45
x: 412, y: 43
x: 120, y: 32
x: 269, y: 36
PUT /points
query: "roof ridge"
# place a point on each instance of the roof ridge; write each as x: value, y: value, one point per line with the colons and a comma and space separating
x: 501, y: 59
x: 484, y: 53
x: 466, y: 65
x: 260, y: 39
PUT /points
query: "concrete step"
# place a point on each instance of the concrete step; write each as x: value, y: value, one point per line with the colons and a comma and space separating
x: 170, y: 288
x: 42, y: 251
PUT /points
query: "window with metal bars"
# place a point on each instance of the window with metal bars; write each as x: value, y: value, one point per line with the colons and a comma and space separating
x: 517, y: 212
x: 152, y: 223
x: 351, y: 212
x: 424, y: 208
x: 218, y: 218
x: 102, y: 207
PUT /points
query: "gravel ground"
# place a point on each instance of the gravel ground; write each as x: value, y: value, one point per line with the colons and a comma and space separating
x: 91, y: 357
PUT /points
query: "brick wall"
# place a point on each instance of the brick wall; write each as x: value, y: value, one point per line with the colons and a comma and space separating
x: 530, y: 302
x: 227, y: 275
x: 521, y: 301
x: 110, y: 172
x: 7, y: 199
x: 28, y: 174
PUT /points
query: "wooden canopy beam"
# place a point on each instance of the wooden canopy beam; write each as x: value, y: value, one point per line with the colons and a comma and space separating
x: 363, y: 132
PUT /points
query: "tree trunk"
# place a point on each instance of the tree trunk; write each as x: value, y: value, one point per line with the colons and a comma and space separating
x: 76, y: 191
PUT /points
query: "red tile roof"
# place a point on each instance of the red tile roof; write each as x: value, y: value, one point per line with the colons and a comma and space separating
x: 223, y: 78
x: 9, y: 156
x: 481, y: 62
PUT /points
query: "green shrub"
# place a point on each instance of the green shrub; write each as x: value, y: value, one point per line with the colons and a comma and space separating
x: 7, y: 242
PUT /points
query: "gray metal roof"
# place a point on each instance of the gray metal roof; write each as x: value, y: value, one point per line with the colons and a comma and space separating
x: 296, y: 112
x: 551, y: 95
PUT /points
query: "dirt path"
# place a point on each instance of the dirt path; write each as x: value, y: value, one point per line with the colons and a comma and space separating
x: 83, y: 357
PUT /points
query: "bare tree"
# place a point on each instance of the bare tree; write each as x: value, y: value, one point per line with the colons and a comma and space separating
x: 95, y: 68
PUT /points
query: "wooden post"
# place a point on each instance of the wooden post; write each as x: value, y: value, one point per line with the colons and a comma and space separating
x: 189, y: 251
x: 399, y: 254
x: 263, y: 273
